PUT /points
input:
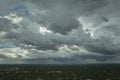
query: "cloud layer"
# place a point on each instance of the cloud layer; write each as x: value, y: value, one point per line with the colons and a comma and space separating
x: 83, y: 30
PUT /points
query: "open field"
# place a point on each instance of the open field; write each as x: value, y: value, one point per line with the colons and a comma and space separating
x: 60, y: 72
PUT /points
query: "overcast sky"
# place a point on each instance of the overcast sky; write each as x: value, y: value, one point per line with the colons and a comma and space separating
x: 59, y: 31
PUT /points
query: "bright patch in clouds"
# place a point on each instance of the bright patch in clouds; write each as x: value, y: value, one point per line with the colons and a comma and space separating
x: 88, y: 27
x: 64, y: 51
x: 13, y: 18
x: 14, y: 52
x: 44, y: 30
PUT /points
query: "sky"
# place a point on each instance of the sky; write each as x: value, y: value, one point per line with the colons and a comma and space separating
x: 59, y: 31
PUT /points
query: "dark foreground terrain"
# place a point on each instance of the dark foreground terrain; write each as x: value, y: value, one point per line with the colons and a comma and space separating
x: 60, y: 72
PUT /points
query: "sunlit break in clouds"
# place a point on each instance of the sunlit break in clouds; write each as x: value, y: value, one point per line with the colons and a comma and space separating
x: 59, y: 31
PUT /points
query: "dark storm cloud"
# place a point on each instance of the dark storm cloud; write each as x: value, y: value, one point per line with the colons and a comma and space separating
x: 3, y: 56
x: 4, y: 24
x: 61, y: 15
x: 103, y: 50
x: 86, y: 5
x: 36, y: 40
x: 6, y: 5
x: 63, y: 26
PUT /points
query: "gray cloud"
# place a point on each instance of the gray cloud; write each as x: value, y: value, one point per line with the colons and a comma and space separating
x: 61, y: 15
x: 3, y: 56
x: 83, y: 29
x: 4, y: 24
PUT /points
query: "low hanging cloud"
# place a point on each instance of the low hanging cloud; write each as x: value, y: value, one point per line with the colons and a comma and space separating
x: 80, y: 29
